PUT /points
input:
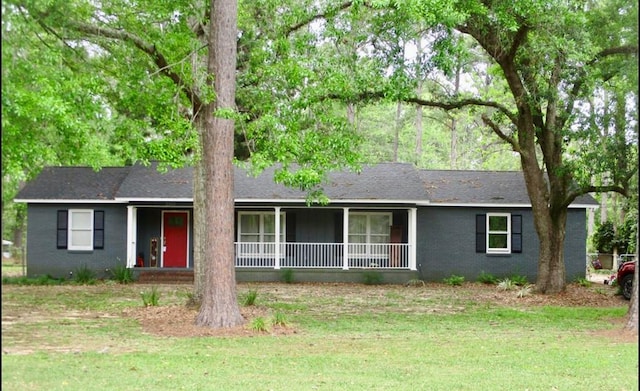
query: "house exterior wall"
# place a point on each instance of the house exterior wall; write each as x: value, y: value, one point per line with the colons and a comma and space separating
x: 44, y: 258
x: 446, y: 245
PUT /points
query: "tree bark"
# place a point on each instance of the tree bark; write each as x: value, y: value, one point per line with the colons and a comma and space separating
x: 219, y: 304
x: 632, y: 314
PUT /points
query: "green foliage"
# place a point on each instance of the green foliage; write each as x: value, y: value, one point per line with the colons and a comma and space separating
x: 287, y: 275
x: 454, y: 280
x: 372, y: 277
x: 280, y: 319
x: 506, y: 285
x: 84, y: 275
x: 122, y: 274
x: 487, y: 278
x: 604, y: 237
x: 41, y: 280
x: 250, y: 297
x: 415, y: 282
x: 525, y: 290
x: 583, y: 282
x: 150, y: 298
x: 518, y: 279
x: 259, y: 324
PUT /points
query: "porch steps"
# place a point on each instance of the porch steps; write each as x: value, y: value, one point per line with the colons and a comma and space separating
x: 165, y: 277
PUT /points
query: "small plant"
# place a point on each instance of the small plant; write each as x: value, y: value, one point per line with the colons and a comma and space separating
x: 454, y: 280
x: 259, y: 324
x: 250, y: 298
x: 415, y: 282
x: 287, y: 276
x: 150, y: 298
x: 280, y: 319
x: 583, y: 282
x: 122, y: 274
x: 525, y: 290
x: 372, y: 278
x: 506, y: 285
x: 487, y: 278
x: 84, y: 275
x: 519, y: 280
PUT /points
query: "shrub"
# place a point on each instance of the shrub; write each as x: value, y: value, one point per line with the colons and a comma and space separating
x: 415, y: 282
x: 604, y: 237
x: 519, y: 280
x: 150, y: 298
x: 280, y: 319
x: 250, y: 298
x: 122, y: 274
x: 287, y: 276
x: 487, y: 278
x: 40, y: 280
x: 372, y: 278
x: 506, y: 285
x: 525, y: 290
x: 259, y: 324
x: 84, y: 275
x: 453, y: 280
x: 583, y: 282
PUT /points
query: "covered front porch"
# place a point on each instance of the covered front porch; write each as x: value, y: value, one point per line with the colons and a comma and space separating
x: 361, y: 238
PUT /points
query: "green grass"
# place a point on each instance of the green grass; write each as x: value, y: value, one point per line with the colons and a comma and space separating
x: 361, y: 337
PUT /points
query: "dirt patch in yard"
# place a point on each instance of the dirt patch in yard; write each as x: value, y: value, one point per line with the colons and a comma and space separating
x: 179, y: 320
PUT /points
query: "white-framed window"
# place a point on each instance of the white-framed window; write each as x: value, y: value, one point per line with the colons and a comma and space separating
x: 257, y: 233
x: 368, y: 231
x: 498, y: 233
x: 80, y: 229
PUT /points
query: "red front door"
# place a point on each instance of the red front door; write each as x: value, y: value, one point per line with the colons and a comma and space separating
x: 175, y: 239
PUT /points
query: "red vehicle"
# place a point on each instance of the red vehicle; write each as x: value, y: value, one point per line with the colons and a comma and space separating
x: 624, y: 277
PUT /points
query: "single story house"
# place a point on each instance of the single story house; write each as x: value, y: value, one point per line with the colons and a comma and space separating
x: 392, y: 219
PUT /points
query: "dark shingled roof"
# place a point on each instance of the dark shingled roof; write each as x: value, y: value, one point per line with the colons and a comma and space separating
x: 385, y: 182
x: 74, y: 183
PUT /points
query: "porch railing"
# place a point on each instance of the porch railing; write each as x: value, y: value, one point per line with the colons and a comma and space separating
x: 323, y: 255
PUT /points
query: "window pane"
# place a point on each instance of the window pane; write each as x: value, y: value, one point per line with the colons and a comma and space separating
x: 357, y: 224
x: 269, y: 223
x: 81, y: 220
x: 498, y: 223
x: 249, y: 238
x: 81, y: 238
x: 249, y: 223
x: 357, y: 239
x: 497, y: 241
x: 379, y: 239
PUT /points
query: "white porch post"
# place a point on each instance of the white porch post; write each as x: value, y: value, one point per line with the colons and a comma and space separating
x: 132, y: 225
x: 345, y: 239
x: 413, y: 242
x: 277, y: 218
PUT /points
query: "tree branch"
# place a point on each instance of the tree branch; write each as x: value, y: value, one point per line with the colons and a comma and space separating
x: 321, y: 15
x: 496, y: 129
x: 148, y: 48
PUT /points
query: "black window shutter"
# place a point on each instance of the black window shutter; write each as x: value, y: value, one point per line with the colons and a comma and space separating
x: 481, y: 233
x: 98, y: 229
x: 62, y: 231
x: 516, y: 233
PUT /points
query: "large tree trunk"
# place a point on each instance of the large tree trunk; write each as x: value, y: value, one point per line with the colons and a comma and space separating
x: 219, y: 304
x: 199, y: 232
x: 551, y: 270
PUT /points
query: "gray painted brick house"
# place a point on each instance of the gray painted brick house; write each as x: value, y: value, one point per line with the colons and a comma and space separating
x: 392, y: 218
